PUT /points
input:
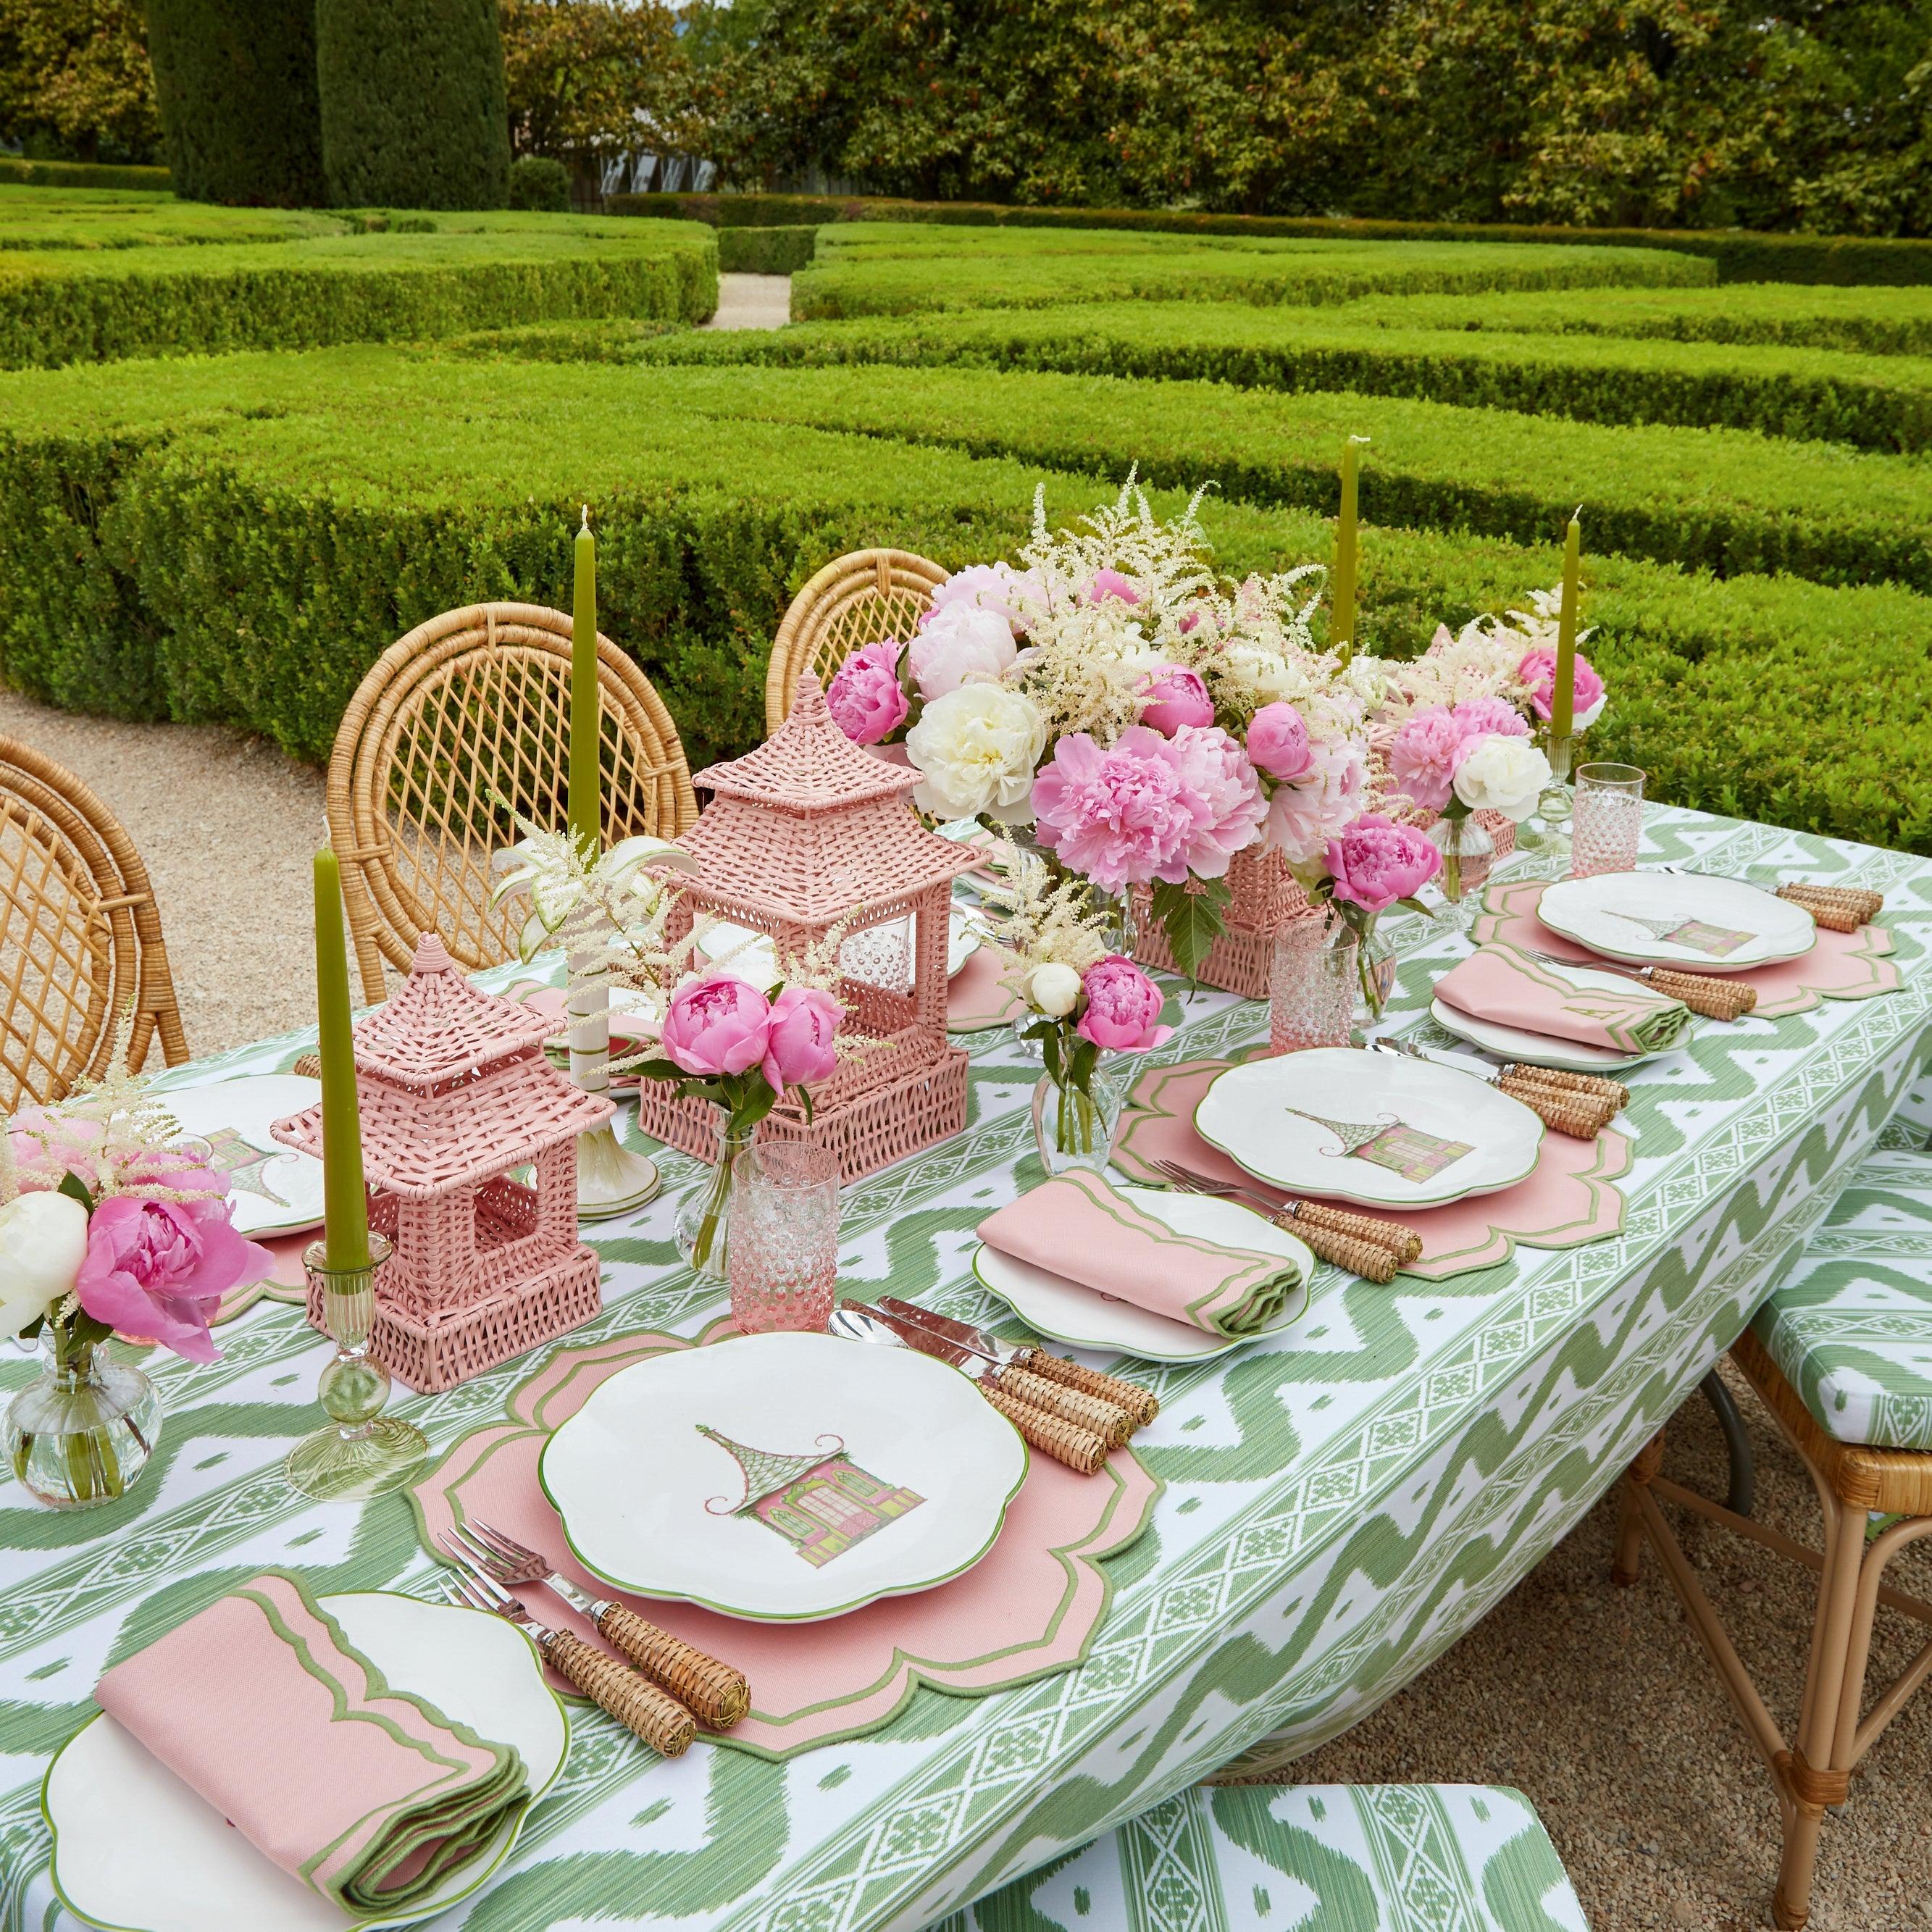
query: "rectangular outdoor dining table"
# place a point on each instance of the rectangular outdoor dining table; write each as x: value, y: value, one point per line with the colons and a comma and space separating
x: 1342, y: 1501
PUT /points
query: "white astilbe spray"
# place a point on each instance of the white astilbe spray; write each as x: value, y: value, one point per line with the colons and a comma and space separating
x: 1165, y: 562
x: 1034, y: 923
x: 1481, y: 660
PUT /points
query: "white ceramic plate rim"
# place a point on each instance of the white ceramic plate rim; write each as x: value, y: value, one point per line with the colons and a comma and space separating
x: 963, y: 939
x: 1367, y: 1195
x: 294, y: 1162
x: 1001, y: 1436
x: 1185, y: 1343
x: 1573, y: 901
x: 1543, y: 1049
x: 460, y: 1886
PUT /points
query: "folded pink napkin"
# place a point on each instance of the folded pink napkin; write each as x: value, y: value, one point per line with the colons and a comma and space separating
x: 1079, y: 1227
x: 1499, y: 983
x: 364, y: 1792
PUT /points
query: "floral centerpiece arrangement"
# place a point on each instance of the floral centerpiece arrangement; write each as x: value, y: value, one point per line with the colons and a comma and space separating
x: 110, y: 1220
x: 1082, y: 1000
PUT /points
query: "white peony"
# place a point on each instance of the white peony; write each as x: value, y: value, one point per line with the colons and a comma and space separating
x: 1582, y: 720
x: 1053, y: 989
x: 1500, y: 774
x: 959, y: 641
x: 43, y: 1243
x: 975, y: 749
x: 1319, y: 805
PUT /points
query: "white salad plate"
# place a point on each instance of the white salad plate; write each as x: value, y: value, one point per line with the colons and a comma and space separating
x: 135, y: 1849
x: 759, y: 964
x: 1296, y: 1121
x: 1543, y: 1049
x: 1627, y: 916
x: 1070, y: 1312
x: 783, y: 1477
x: 274, y: 1189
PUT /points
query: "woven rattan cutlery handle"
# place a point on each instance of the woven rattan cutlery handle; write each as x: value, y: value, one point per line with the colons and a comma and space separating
x: 716, y: 1694
x: 1837, y: 908
x: 1576, y: 1114
x: 1704, y: 993
x: 1369, y: 1259
x: 634, y: 1700
x: 1594, y: 1085
x: 1141, y: 1405
x: 1405, y: 1242
x: 1066, y: 1442
x: 1112, y: 1424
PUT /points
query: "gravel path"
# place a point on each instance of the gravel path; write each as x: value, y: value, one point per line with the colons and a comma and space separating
x: 1595, y: 1701
x: 752, y: 301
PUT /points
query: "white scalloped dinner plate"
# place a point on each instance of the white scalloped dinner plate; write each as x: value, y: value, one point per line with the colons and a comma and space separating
x: 1069, y: 1311
x: 136, y: 1850
x: 273, y: 1189
x: 1286, y: 1121
x: 888, y: 1472
x: 757, y: 963
x: 1606, y: 913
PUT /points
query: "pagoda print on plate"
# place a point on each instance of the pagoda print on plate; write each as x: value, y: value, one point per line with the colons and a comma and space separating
x: 820, y: 1501
x: 227, y: 1153
x: 1403, y: 1149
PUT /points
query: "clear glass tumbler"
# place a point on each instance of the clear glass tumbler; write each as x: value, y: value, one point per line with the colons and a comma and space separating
x: 1607, y: 820
x: 784, y: 1253
x: 1311, y: 986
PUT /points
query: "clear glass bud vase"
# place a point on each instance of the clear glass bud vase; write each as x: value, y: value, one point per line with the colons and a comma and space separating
x: 1375, y: 975
x: 81, y: 1432
x: 1073, y: 1127
x: 704, y: 1225
x: 1468, y: 854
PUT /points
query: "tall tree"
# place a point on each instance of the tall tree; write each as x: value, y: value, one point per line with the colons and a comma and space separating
x: 75, y: 80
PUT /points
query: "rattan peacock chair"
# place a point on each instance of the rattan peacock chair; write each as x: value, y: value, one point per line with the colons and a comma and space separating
x: 855, y: 599
x: 459, y: 729
x: 80, y: 938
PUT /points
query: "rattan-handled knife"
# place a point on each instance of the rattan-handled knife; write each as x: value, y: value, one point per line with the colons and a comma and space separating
x: 1141, y: 1405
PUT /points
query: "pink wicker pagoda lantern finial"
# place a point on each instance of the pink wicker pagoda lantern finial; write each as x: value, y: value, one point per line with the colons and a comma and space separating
x: 456, y: 1091
x: 797, y: 834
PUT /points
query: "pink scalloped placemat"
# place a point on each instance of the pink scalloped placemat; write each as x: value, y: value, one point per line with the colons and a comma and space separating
x: 977, y: 997
x: 1841, y: 966
x: 1029, y: 1608
x: 1572, y: 1198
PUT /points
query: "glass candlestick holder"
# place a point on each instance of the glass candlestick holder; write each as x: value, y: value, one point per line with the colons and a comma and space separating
x: 359, y: 1451
x: 1553, y: 803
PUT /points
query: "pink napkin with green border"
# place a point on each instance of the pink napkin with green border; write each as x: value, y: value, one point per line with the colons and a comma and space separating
x: 1501, y: 984
x: 361, y: 1791
x: 1078, y: 1227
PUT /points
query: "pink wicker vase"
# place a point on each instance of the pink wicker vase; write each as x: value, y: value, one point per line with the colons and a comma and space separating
x: 455, y: 1092
x: 799, y: 834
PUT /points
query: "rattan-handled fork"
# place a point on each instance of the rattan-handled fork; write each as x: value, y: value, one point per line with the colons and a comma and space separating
x: 717, y: 1694
x: 611, y: 1684
x: 1712, y: 995
x: 1366, y: 1248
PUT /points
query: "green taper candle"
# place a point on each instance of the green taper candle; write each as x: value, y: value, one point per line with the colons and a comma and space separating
x: 586, y: 818
x: 1562, y: 699
x: 1341, y: 626
x: 345, y: 1200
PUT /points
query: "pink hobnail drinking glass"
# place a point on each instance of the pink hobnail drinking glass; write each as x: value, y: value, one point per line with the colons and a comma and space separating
x: 784, y: 1253
x: 1311, y: 986
x: 1606, y: 820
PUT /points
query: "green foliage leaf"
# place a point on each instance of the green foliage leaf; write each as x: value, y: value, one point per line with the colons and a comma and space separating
x: 1192, y: 921
x: 76, y: 1189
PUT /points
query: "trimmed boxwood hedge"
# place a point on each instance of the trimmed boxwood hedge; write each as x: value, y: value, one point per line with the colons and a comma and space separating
x: 765, y: 251
x: 19, y: 173
x: 49, y: 217
x: 1880, y: 403
x: 71, y: 306
x: 901, y: 269
x: 235, y: 83
x: 239, y: 539
x: 1740, y: 255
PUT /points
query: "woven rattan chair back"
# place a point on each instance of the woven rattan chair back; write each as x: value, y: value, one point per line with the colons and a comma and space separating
x: 856, y: 599
x: 460, y: 728
x: 80, y: 939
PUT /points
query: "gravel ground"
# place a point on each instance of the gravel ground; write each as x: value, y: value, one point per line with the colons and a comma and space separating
x: 1594, y: 1700
x: 752, y: 301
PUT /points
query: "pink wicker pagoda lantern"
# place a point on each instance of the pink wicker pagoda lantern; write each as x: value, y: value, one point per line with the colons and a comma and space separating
x: 456, y: 1092
x: 798, y: 834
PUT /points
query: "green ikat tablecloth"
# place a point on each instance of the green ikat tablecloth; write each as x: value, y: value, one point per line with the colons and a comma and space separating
x: 1341, y: 1502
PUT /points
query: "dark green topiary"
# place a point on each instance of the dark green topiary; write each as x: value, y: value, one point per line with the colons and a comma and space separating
x: 235, y: 80
x: 540, y: 185
x: 413, y: 114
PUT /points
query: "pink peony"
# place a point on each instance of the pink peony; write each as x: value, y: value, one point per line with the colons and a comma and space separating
x: 865, y: 697
x: 1123, y: 1007
x: 718, y: 1024
x: 1422, y: 757
x: 1304, y: 815
x: 1226, y: 796
x: 1192, y: 618
x: 160, y: 1268
x: 804, y: 1021
x: 1111, y: 583
x: 1174, y: 696
x: 47, y: 1148
x: 1120, y: 816
x: 1538, y: 671
x: 1487, y: 717
x: 958, y: 644
x: 1017, y: 597
x: 1278, y: 741
x: 1376, y: 861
